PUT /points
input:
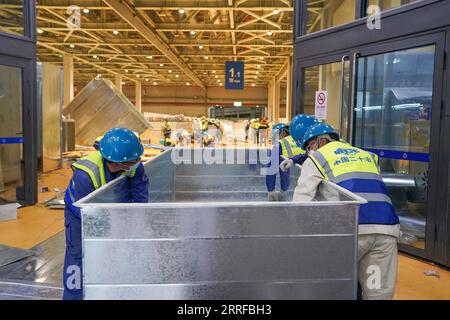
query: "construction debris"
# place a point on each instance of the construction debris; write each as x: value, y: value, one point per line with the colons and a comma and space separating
x: 432, y: 273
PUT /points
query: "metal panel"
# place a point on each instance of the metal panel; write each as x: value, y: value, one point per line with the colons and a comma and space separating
x: 99, y: 107
x: 311, y: 290
x: 238, y: 247
x: 25, y: 290
x: 51, y: 117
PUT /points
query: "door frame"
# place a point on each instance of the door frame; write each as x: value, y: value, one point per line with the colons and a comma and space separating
x: 437, y: 39
x: 299, y: 77
x: 28, y: 193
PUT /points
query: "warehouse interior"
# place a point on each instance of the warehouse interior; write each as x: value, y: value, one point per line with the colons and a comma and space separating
x: 70, y: 70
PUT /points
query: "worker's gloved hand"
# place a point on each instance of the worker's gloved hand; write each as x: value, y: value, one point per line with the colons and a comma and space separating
x: 272, y: 196
x: 283, y: 196
x: 286, y: 164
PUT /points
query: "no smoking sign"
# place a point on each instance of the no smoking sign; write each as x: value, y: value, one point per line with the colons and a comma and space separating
x: 321, y: 105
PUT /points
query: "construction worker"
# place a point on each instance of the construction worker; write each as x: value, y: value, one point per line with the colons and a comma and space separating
x: 119, y: 154
x: 297, y: 128
x: 204, y: 125
x: 247, y: 128
x: 263, y: 129
x: 167, y: 129
x: 257, y: 122
x: 357, y: 171
x: 282, y: 147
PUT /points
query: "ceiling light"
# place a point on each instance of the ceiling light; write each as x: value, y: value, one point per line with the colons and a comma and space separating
x: 221, y: 84
x: 192, y: 32
x: 261, y: 58
x: 155, y: 83
x: 200, y: 47
x: 72, y: 46
x: 276, y: 11
x: 94, y: 56
x: 116, y: 32
x: 122, y: 82
x: 257, y: 72
x: 206, y: 57
x: 269, y: 33
x: 170, y: 71
x: 161, y: 65
x: 126, y: 70
x: 138, y: 76
x: 40, y: 31
x: 86, y: 10
x: 214, y: 71
x: 218, y: 80
x: 177, y: 76
x: 146, y: 80
x: 253, y: 84
x: 149, y: 57
x: 181, y: 11
x: 217, y: 76
x: 259, y: 66
x: 256, y: 77
x: 188, y: 84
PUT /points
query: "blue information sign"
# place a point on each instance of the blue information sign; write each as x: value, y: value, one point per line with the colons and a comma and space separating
x: 234, y: 75
x: 11, y: 140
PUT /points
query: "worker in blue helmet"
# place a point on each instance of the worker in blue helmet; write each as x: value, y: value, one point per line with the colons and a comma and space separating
x: 119, y: 154
x: 298, y: 126
x: 284, y: 147
x: 358, y: 171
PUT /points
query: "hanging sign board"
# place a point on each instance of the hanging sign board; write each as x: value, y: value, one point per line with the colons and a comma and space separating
x: 234, y: 75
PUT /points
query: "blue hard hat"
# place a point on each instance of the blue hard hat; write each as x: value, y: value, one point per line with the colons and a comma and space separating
x: 316, y: 130
x: 277, y: 129
x: 121, y: 145
x: 299, y: 124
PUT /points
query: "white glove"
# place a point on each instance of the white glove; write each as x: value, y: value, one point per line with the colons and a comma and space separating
x: 272, y: 196
x: 286, y: 164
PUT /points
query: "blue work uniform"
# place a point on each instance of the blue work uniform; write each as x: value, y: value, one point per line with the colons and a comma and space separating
x: 284, y: 149
x: 135, y: 190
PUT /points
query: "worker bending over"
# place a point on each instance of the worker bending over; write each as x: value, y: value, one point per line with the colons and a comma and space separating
x: 299, y: 124
x: 284, y: 147
x: 119, y: 154
x: 357, y: 171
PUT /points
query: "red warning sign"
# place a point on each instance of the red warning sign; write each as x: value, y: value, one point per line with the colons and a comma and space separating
x: 321, y: 105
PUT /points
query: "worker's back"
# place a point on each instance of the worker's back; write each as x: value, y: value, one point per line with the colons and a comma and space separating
x: 357, y: 171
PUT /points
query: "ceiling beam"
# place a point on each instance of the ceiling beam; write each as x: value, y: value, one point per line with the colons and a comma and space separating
x: 211, y: 6
x: 81, y: 59
x: 129, y: 15
x: 258, y: 18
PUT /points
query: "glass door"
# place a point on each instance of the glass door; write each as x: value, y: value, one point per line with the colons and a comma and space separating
x: 396, y: 111
x: 11, y: 136
x: 325, y: 82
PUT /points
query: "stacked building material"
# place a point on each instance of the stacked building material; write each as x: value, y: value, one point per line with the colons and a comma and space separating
x: 99, y: 107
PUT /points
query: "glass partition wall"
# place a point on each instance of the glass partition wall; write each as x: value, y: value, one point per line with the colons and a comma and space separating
x: 18, y: 135
x: 388, y: 93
